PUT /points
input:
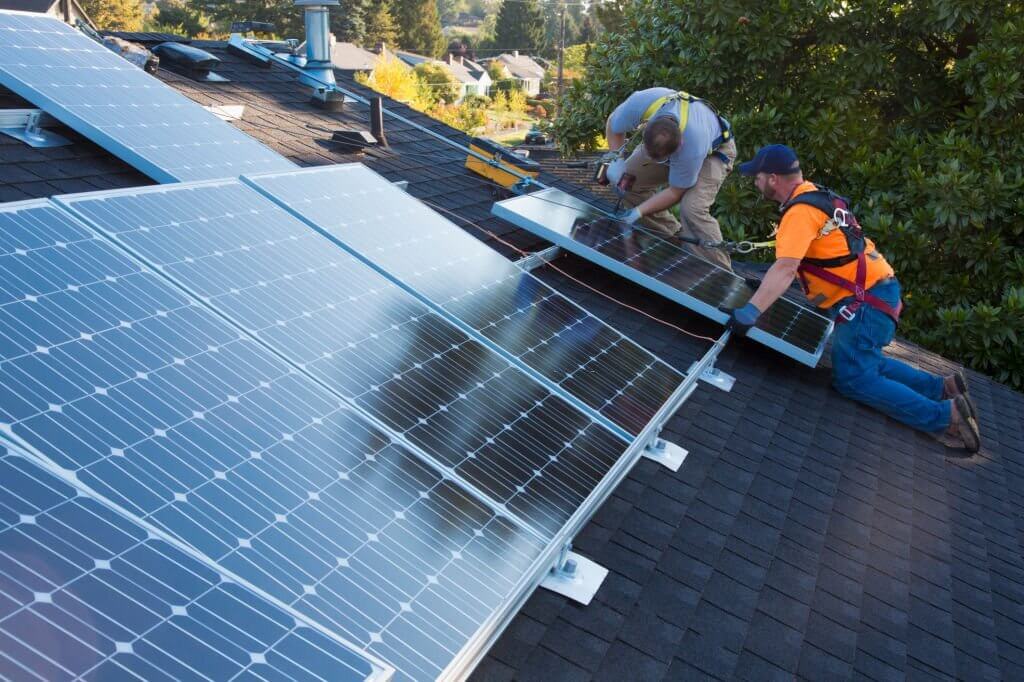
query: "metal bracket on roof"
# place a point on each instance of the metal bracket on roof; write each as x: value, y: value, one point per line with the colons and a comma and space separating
x: 535, y: 260
x: 665, y: 453
x: 716, y: 377
x: 26, y: 125
x: 575, y: 576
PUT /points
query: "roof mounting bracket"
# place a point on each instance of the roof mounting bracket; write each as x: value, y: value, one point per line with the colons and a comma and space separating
x: 575, y: 576
x: 665, y: 453
x: 26, y: 125
x: 717, y: 378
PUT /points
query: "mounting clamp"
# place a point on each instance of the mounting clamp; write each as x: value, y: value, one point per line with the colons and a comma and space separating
x: 716, y: 377
x: 665, y: 453
x: 26, y: 125
x: 575, y: 576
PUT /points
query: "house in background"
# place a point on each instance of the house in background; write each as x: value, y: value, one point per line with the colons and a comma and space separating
x: 526, y: 72
x: 351, y: 59
x: 472, y: 77
x: 66, y: 10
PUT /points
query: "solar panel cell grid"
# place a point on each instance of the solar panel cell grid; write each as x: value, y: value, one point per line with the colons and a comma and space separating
x: 119, y: 106
x: 482, y: 289
x: 665, y: 267
x: 85, y: 593
x: 369, y: 340
x: 165, y: 409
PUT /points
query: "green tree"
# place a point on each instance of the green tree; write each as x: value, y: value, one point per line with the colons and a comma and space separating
x: 286, y: 18
x: 180, y: 17
x: 419, y: 28
x: 438, y: 83
x: 115, y: 15
x: 915, y: 110
x: 380, y: 25
x: 520, y: 26
x: 348, y: 20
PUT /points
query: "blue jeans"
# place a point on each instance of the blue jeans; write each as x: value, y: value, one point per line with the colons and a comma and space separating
x: 860, y: 371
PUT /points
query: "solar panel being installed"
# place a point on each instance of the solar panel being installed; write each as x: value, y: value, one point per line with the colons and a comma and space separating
x: 160, y: 405
x: 368, y: 340
x: 480, y: 289
x: 87, y: 594
x: 119, y: 106
x: 665, y: 268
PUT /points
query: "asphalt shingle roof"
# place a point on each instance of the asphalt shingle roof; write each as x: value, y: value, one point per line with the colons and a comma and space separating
x: 805, y: 535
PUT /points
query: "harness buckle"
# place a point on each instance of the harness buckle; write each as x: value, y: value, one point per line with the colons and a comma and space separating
x: 841, y: 217
x: 847, y: 314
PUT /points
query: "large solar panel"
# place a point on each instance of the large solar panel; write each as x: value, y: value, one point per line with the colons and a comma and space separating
x: 480, y: 289
x: 665, y: 268
x: 115, y: 376
x: 119, y: 106
x: 87, y: 594
x: 365, y: 338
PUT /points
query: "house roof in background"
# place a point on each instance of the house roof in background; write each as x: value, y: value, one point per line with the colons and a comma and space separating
x: 805, y: 535
x: 521, y: 65
x: 351, y: 57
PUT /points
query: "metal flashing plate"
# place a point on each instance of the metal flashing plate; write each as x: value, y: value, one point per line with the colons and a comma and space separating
x: 665, y: 268
x: 119, y: 106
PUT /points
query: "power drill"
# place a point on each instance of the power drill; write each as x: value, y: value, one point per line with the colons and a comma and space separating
x: 624, y: 184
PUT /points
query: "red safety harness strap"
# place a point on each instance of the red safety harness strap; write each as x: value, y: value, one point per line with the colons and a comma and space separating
x: 860, y: 294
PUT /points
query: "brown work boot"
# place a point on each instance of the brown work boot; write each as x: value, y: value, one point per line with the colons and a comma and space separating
x: 956, y: 384
x: 963, y: 426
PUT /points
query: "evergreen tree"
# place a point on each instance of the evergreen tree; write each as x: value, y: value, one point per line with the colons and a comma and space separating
x: 520, y: 26
x: 115, y: 15
x: 283, y: 14
x: 380, y: 25
x: 419, y: 28
x: 348, y: 21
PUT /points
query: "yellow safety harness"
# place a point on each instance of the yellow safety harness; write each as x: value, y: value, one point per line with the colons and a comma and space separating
x: 684, y: 98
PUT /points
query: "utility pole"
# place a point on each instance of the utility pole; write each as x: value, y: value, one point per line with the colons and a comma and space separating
x: 561, y: 63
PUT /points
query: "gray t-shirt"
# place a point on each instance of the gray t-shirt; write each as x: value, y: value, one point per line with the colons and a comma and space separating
x: 702, y: 129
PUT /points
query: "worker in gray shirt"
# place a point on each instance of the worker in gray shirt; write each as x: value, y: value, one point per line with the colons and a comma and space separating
x: 686, y: 153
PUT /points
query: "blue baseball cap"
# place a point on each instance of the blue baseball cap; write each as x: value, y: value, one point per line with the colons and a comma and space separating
x: 772, y: 158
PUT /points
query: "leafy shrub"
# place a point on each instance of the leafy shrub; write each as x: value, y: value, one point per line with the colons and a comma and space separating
x: 914, y: 110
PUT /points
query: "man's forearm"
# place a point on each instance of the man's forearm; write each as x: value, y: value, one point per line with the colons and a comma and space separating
x: 664, y: 199
x: 778, y: 278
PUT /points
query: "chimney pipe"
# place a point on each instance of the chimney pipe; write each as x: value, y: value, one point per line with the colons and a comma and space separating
x: 515, y: 53
x: 377, y: 121
x: 318, y: 67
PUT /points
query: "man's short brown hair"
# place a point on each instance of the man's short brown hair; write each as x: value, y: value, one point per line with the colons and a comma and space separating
x: 662, y: 137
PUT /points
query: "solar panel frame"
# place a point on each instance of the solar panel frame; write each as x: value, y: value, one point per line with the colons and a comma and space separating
x: 567, y: 209
x: 41, y: 505
x: 31, y: 292
x: 382, y: 241
x: 188, y: 135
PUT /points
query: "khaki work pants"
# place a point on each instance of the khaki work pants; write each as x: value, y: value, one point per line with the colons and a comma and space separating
x: 695, y: 207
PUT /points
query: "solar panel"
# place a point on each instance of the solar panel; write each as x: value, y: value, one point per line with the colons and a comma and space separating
x: 665, y: 268
x: 121, y: 107
x: 481, y: 289
x: 163, y: 407
x: 87, y: 594
x: 365, y: 338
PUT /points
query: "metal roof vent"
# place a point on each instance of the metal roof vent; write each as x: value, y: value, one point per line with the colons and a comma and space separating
x: 353, y: 140
x: 189, y: 61
x: 318, y: 71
